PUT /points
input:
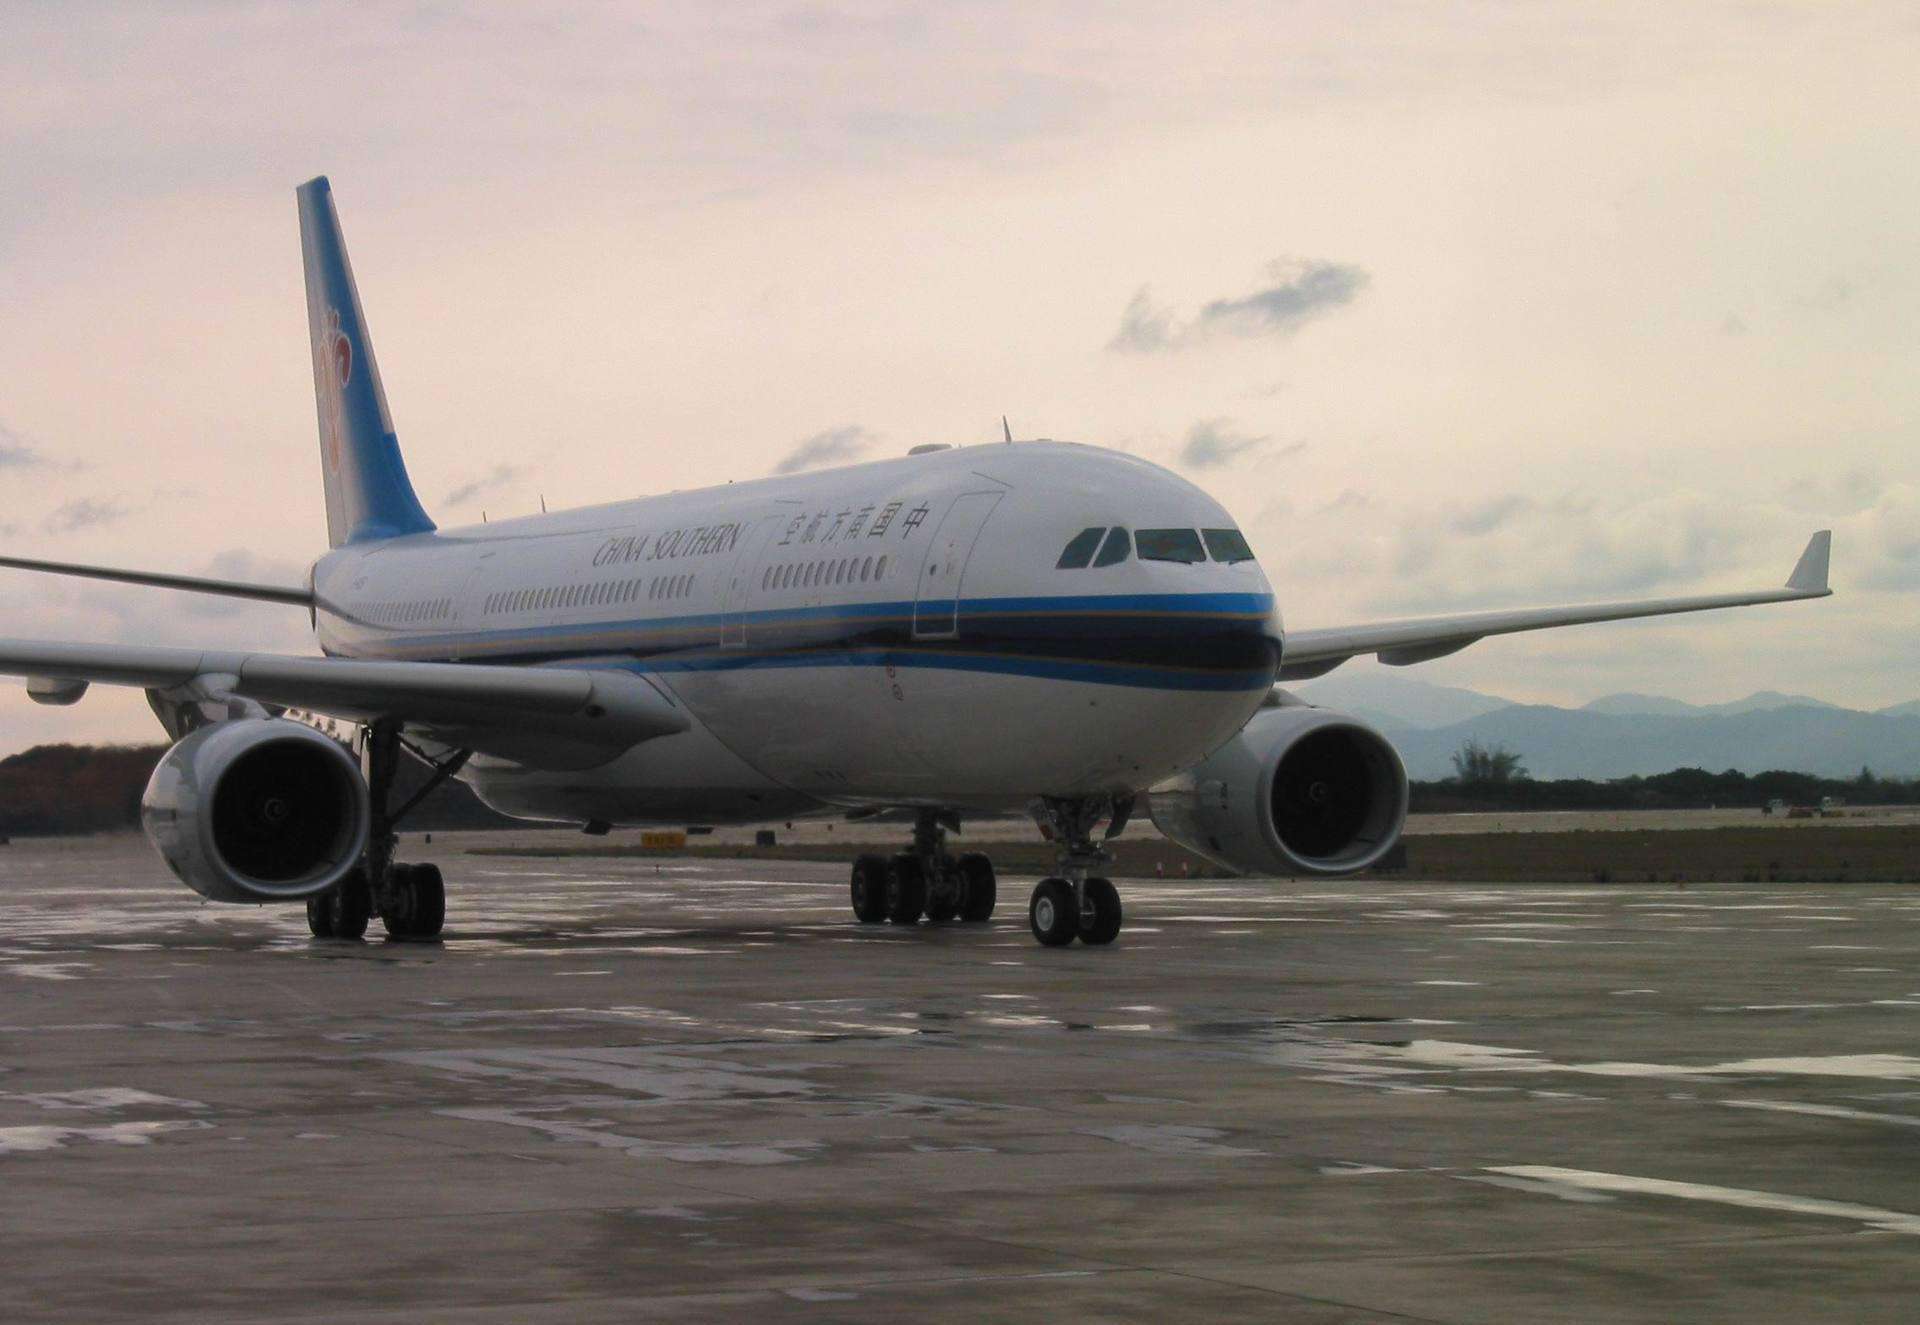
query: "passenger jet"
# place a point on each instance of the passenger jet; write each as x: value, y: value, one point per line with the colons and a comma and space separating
x: 1039, y: 628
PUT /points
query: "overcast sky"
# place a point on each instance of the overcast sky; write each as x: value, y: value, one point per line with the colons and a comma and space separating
x: 1455, y: 306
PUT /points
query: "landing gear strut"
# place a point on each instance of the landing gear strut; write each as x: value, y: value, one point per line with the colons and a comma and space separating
x: 1077, y: 903
x: 411, y: 900
x: 925, y: 880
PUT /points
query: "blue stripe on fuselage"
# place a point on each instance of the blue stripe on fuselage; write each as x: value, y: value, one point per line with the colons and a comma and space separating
x: 1213, y: 641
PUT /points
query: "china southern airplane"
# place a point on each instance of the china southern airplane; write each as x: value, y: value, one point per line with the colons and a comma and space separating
x: 1042, y: 628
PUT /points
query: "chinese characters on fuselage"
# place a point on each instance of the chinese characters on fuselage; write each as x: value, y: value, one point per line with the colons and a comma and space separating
x: 874, y: 520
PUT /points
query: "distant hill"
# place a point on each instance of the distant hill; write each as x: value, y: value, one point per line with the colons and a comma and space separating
x: 1758, y: 701
x: 1395, y: 701
x: 1579, y: 743
x: 1910, y: 708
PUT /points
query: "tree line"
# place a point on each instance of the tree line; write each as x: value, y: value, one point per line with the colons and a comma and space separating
x: 61, y: 790
x: 1495, y: 778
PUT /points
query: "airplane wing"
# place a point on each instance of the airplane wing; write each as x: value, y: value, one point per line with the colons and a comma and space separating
x: 1311, y: 653
x: 272, y: 593
x: 571, y: 713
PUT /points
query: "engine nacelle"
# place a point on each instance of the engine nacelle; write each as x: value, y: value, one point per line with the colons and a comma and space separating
x: 257, y: 810
x: 1298, y: 791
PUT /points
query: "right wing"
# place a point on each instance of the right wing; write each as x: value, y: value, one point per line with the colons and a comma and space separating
x: 1311, y: 653
x: 547, y: 716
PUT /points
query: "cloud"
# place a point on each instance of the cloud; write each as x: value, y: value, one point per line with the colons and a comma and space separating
x: 834, y: 446
x: 1143, y: 327
x: 499, y: 476
x: 15, y: 453
x: 1301, y: 291
x: 84, y: 513
x: 1213, y: 442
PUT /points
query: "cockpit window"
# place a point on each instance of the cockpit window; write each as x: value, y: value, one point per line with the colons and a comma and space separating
x: 1227, y: 545
x: 1080, y: 551
x: 1115, y: 549
x: 1169, y: 545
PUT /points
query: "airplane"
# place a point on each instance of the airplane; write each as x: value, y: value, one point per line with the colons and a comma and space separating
x: 1036, y: 628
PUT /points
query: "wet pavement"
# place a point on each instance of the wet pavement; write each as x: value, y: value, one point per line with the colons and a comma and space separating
x: 628, y: 1091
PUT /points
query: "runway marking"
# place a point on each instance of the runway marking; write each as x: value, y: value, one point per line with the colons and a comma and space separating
x: 19, y: 1140
x: 1825, y: 1111
x: 1890, y: 1221
x: 1169, y: 1139
x: 98, y: 1098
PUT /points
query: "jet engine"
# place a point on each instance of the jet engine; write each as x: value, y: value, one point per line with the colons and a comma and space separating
x: 257, y: 810
x: 1298, y: 791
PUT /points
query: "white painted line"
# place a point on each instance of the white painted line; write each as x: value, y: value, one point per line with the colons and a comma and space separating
x: 1890, y: 1221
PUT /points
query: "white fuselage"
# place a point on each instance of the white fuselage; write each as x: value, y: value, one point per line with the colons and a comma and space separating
x: 888, y: 634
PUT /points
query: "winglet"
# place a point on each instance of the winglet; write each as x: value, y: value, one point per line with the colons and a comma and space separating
x: 1810, y: 572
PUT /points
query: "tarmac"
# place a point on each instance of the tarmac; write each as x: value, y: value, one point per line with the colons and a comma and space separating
x: 632, y: 1090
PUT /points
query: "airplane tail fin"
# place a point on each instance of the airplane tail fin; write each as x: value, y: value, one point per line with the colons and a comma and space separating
x: 368, y: 492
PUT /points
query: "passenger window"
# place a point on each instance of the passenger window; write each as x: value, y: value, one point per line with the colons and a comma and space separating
x: 880, y: 569
x: 1115, y: 549
x: 866, y: 570
x: 1079, y: 550
x: 1181, y: 545
x: 1227, y: 545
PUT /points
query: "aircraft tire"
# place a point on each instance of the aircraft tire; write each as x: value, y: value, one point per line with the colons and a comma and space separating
x: 320, y: 916
x: 421, y: 903
x: 906, y: 890
x: 1051, y: 913
x: 941, y: 910
x: 979, y: 894
x: 869, y: 889
x: 1100, y: 918
x: 351, y: 904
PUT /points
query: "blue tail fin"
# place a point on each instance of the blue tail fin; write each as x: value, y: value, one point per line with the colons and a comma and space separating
x: 368, y: 492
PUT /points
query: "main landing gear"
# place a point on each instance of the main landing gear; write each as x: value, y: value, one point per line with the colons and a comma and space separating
x: 411, y: 900
x: 1076, y: 903
x: 925, y: 880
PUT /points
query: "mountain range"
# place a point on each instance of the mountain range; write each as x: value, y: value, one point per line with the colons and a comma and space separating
x: 1624, y: 734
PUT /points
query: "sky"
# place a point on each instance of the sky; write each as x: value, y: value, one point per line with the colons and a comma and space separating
x: 1454, y: 305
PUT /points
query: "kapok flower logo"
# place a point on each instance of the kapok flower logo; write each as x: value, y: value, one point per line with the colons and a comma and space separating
x: 333, y: 371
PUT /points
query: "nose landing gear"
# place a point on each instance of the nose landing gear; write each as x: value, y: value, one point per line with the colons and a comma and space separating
x: 1077, y: 903
x: 926, y: 880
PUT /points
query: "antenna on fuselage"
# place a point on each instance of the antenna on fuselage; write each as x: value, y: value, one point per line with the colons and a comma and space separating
x: 1006, y: 429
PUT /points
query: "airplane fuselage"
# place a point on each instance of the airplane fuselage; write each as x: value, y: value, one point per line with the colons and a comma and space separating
x: 892, y: 633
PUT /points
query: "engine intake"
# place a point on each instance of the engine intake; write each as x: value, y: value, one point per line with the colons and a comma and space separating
x: 257, y: 810
x: 1298, y: 791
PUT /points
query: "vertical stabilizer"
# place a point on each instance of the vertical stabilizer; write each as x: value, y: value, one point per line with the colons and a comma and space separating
x: 368, y: 492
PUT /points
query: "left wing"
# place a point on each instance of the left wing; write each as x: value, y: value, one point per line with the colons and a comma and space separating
x: 547, y: 716
x: 272, y: 593
x: 1311, y: 653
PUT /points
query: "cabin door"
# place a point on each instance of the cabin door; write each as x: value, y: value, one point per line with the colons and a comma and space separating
x: 936, y: 601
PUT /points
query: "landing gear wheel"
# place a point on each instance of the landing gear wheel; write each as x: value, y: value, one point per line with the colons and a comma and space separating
x: 906, y: 890
x: 342, y: 911
x: 320, y: 915
x: 942, y: 909
x: 1052, y: 913
x: 1100, y: 911
x: 870, y: 889
x: 979, y: 890
x: 419, y: 902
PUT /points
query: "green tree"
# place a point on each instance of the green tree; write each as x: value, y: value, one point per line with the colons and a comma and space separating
x: 1474, y: 763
